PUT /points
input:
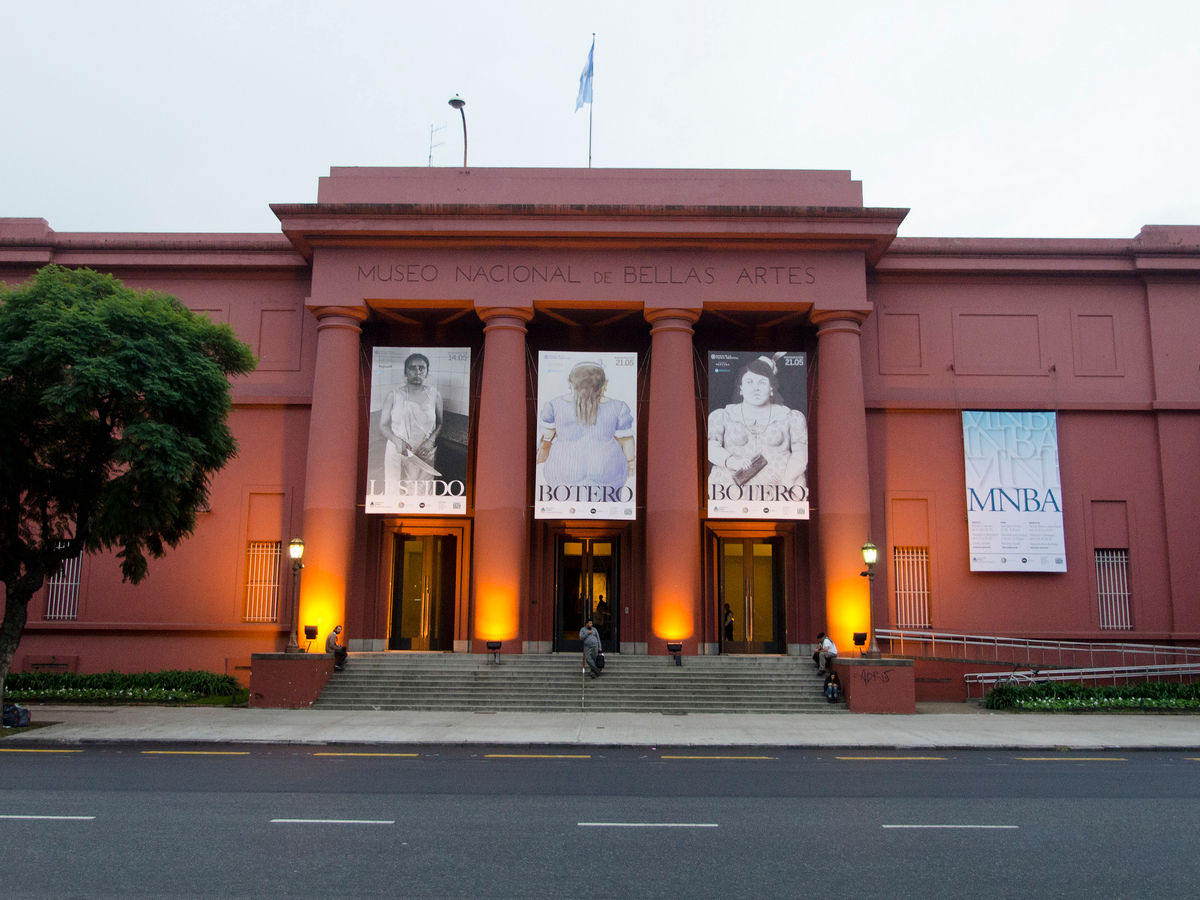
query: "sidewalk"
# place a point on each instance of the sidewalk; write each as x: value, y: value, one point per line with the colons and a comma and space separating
x: 935, y: 726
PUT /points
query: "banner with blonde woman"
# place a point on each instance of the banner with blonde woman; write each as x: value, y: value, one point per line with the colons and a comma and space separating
x: 757, y: 435
x: 586, y: 436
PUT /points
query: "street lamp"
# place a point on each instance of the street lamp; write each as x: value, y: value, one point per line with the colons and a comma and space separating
x: 296, y: 552
x: 870, y: 555
x: 458, y: 103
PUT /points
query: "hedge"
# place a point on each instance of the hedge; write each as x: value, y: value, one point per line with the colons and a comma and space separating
x: 170, y: 686
x: 1059, y: 696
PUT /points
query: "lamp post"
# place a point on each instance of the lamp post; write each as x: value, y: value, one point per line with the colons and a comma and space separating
x: 458, y: 103
x: 296, y: 552
x: 870, y: 555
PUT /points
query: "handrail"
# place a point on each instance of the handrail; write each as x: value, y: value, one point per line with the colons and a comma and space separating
x: 1036, y: 676
x: 1048, y: 652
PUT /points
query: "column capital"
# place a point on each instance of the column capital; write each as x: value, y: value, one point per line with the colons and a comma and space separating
x: 320, y: 311
x: 488, y: 313
x: 671, y: 317
x: 830, y: 320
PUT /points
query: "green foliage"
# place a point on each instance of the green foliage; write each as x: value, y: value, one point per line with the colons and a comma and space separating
x: 115, y: 404
x: 1063, y: 696
x: 171, y: 686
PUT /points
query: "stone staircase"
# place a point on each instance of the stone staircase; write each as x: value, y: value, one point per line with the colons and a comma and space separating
x: 555, y: 683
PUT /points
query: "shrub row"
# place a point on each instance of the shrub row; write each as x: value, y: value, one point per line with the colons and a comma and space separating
x: 1065, y: 696
x: 128, y: 687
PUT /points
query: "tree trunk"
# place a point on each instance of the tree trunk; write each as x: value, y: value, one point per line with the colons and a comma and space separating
x: 16, y: 611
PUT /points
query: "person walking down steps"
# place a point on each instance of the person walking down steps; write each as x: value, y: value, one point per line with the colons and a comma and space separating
x: 591, y: 648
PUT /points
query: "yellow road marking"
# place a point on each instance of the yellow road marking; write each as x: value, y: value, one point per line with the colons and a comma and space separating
x: 196, y: 752
x: 34, y: 750
x: 536, y: 756
x: 893, y: 757
x: 718, y: 757
x: 367, y: 754
x: 1072, y: 758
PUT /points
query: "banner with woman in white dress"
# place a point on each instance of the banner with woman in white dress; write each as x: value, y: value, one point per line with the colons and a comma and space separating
x: 419, y: 422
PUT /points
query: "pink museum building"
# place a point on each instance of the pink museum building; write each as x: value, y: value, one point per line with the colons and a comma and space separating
x: 494, y: 402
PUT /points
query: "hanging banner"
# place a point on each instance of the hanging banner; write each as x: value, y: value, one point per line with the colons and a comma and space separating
x: 757, y: 435
x: 586, y: 436
x: 1014, y: 491
x: 419, y: 422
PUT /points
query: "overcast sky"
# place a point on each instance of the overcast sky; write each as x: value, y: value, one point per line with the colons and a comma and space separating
x: 1028, y: 119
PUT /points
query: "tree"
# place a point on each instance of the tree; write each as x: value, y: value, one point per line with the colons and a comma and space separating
x: 115, y: 404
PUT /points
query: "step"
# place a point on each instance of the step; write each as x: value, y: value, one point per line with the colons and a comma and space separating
x: 554, y: 682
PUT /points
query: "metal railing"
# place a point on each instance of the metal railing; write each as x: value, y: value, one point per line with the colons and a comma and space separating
x: 1033, y: 652
x: 1115, y: 674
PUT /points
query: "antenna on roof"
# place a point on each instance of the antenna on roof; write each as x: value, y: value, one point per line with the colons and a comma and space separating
x: 432, y: 131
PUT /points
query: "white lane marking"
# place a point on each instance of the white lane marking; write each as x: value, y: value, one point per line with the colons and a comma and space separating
x: 333, y: 821
x: 54, y: 818
x: 646, y: 824
x: 991, y: 827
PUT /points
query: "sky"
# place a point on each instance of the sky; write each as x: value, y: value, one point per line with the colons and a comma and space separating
x: 1053, y: 118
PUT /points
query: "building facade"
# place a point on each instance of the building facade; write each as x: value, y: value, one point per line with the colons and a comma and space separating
x: 775, y: 379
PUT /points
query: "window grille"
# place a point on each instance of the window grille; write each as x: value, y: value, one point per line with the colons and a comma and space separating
x: 1112, y: 589
x: 262, y: 581
x: 62, y: 592
x: 911, y: 567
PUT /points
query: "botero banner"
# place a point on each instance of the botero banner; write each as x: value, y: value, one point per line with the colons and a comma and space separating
x: 757, y: 435
x: 1014, y: 491
x: 419, y: 421
x: 586, y: 436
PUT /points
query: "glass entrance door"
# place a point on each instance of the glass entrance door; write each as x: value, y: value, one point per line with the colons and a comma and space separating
x: 751, y: 600
x: 423, y: 588
x: 587, y: 584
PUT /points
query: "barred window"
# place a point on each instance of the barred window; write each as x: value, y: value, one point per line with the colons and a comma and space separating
x: 262, y: 581
x: 911, y: 568
x: 1112, y: 589
x: 62, y: 592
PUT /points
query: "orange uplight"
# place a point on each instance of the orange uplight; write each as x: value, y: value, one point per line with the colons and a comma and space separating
x: 497, y: 615
x: 671, y: 618
x: 848, y: 612
x: 322, y: 603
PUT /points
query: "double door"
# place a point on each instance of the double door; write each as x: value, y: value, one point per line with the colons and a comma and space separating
x: 424, y: 584
x: 751, y: 601
x: 587, y: 585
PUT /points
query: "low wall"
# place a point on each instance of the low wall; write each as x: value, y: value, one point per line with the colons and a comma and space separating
x: 877, y: 685
x: 942, y: 679
x: 288, y: 680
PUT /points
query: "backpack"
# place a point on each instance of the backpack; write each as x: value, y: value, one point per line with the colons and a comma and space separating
x: 15, y: 716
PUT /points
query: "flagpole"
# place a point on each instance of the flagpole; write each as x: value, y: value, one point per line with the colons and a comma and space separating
x: 592, y: 104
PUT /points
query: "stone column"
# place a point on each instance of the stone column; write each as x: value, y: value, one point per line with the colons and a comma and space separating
x: 331, y: 477
x: 672, y: 481
x: 501, y: 554
x: 843, y: 500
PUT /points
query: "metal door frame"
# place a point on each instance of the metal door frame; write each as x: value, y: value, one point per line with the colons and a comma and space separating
x: 719, y: 531
x: 460, y: 529
x: 587, y: 537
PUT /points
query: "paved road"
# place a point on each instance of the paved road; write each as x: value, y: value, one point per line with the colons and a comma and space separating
x: 504, y: 821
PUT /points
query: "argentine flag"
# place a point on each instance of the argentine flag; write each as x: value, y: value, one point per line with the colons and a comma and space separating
x: 585, y: 80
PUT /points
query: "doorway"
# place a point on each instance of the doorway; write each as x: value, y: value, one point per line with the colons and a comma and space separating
x: 587, y: 583
x: 751, y: 592
x: 424, y: 584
